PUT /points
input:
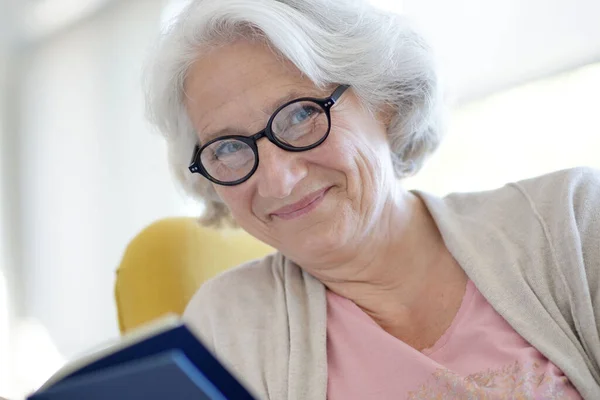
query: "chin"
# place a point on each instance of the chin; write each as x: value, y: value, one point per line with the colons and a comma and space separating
x: 320, y: 238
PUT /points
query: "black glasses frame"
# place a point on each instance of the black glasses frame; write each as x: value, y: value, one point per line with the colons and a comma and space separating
x: 326, y: 104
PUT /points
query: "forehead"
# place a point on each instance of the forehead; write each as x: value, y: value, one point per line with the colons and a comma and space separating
x: 235, y: 85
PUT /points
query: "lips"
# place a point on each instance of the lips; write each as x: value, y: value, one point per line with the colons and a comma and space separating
x: 299, y: 205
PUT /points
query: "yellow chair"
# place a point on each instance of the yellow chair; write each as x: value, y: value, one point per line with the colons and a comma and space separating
x: 166, y: 263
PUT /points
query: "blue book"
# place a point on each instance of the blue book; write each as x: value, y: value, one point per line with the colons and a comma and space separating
x: 162, y: 361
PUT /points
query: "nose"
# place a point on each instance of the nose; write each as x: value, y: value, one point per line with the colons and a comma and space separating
x: 278, y: 171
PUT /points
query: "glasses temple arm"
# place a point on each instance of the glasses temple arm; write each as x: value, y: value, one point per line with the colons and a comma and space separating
x: 338, y: 92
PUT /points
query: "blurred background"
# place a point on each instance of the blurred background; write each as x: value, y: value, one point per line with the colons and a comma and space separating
x: 81, y: 172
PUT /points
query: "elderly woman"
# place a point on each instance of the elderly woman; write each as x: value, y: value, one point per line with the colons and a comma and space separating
x: 300, y: 118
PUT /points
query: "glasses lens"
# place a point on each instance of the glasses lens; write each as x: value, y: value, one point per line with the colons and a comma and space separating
x: 300, y: 124
x: 228, y: 160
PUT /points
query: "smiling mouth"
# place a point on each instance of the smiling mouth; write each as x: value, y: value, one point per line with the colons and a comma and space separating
x: 302, y: 207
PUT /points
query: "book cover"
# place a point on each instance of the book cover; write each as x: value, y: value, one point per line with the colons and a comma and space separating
x: 163, y: 361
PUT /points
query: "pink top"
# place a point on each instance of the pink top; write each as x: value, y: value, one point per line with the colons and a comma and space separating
x: 480, y: 356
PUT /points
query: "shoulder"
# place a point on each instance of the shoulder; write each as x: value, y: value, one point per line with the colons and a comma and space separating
x: 252, y: 282
x: 568, y: 203
x: 567, y: 199
x: 243, y: 315
x: 570, y: 189
x: 261, y: 275
x: 577, y: 185
x: 255, y: 316
x: 550, y: 213
x: 240, y: 298
x: 556, y: 213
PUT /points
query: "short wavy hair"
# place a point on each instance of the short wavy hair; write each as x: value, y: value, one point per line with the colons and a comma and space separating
x: 387, y: 63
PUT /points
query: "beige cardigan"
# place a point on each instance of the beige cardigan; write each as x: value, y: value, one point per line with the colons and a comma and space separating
x: 532, y: 248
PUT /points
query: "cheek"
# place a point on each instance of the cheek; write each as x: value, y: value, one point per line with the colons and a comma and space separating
x: 339, y: 155
x: 350, y: 150
x: 237, y: 200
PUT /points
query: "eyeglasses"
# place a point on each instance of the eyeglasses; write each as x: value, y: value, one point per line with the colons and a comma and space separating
x: 299, y: 125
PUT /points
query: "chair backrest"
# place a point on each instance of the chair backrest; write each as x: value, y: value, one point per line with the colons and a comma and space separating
x: 167, y: 262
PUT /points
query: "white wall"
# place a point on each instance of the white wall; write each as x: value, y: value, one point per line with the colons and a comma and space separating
x: 8, y: 276
x: 4, y: 296
x: 539, y: 127
x: 91, y: 173
x: 484, y: 46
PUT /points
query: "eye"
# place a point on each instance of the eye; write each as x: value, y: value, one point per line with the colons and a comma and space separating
x: 229, y: 147
x: 302, y: 114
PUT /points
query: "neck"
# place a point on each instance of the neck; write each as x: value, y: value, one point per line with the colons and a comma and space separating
x: 401, y: 272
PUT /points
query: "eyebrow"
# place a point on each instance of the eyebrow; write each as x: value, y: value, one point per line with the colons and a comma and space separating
x: 268, y: 109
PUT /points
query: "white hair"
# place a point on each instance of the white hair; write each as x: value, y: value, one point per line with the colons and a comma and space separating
x: 387, y: 63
